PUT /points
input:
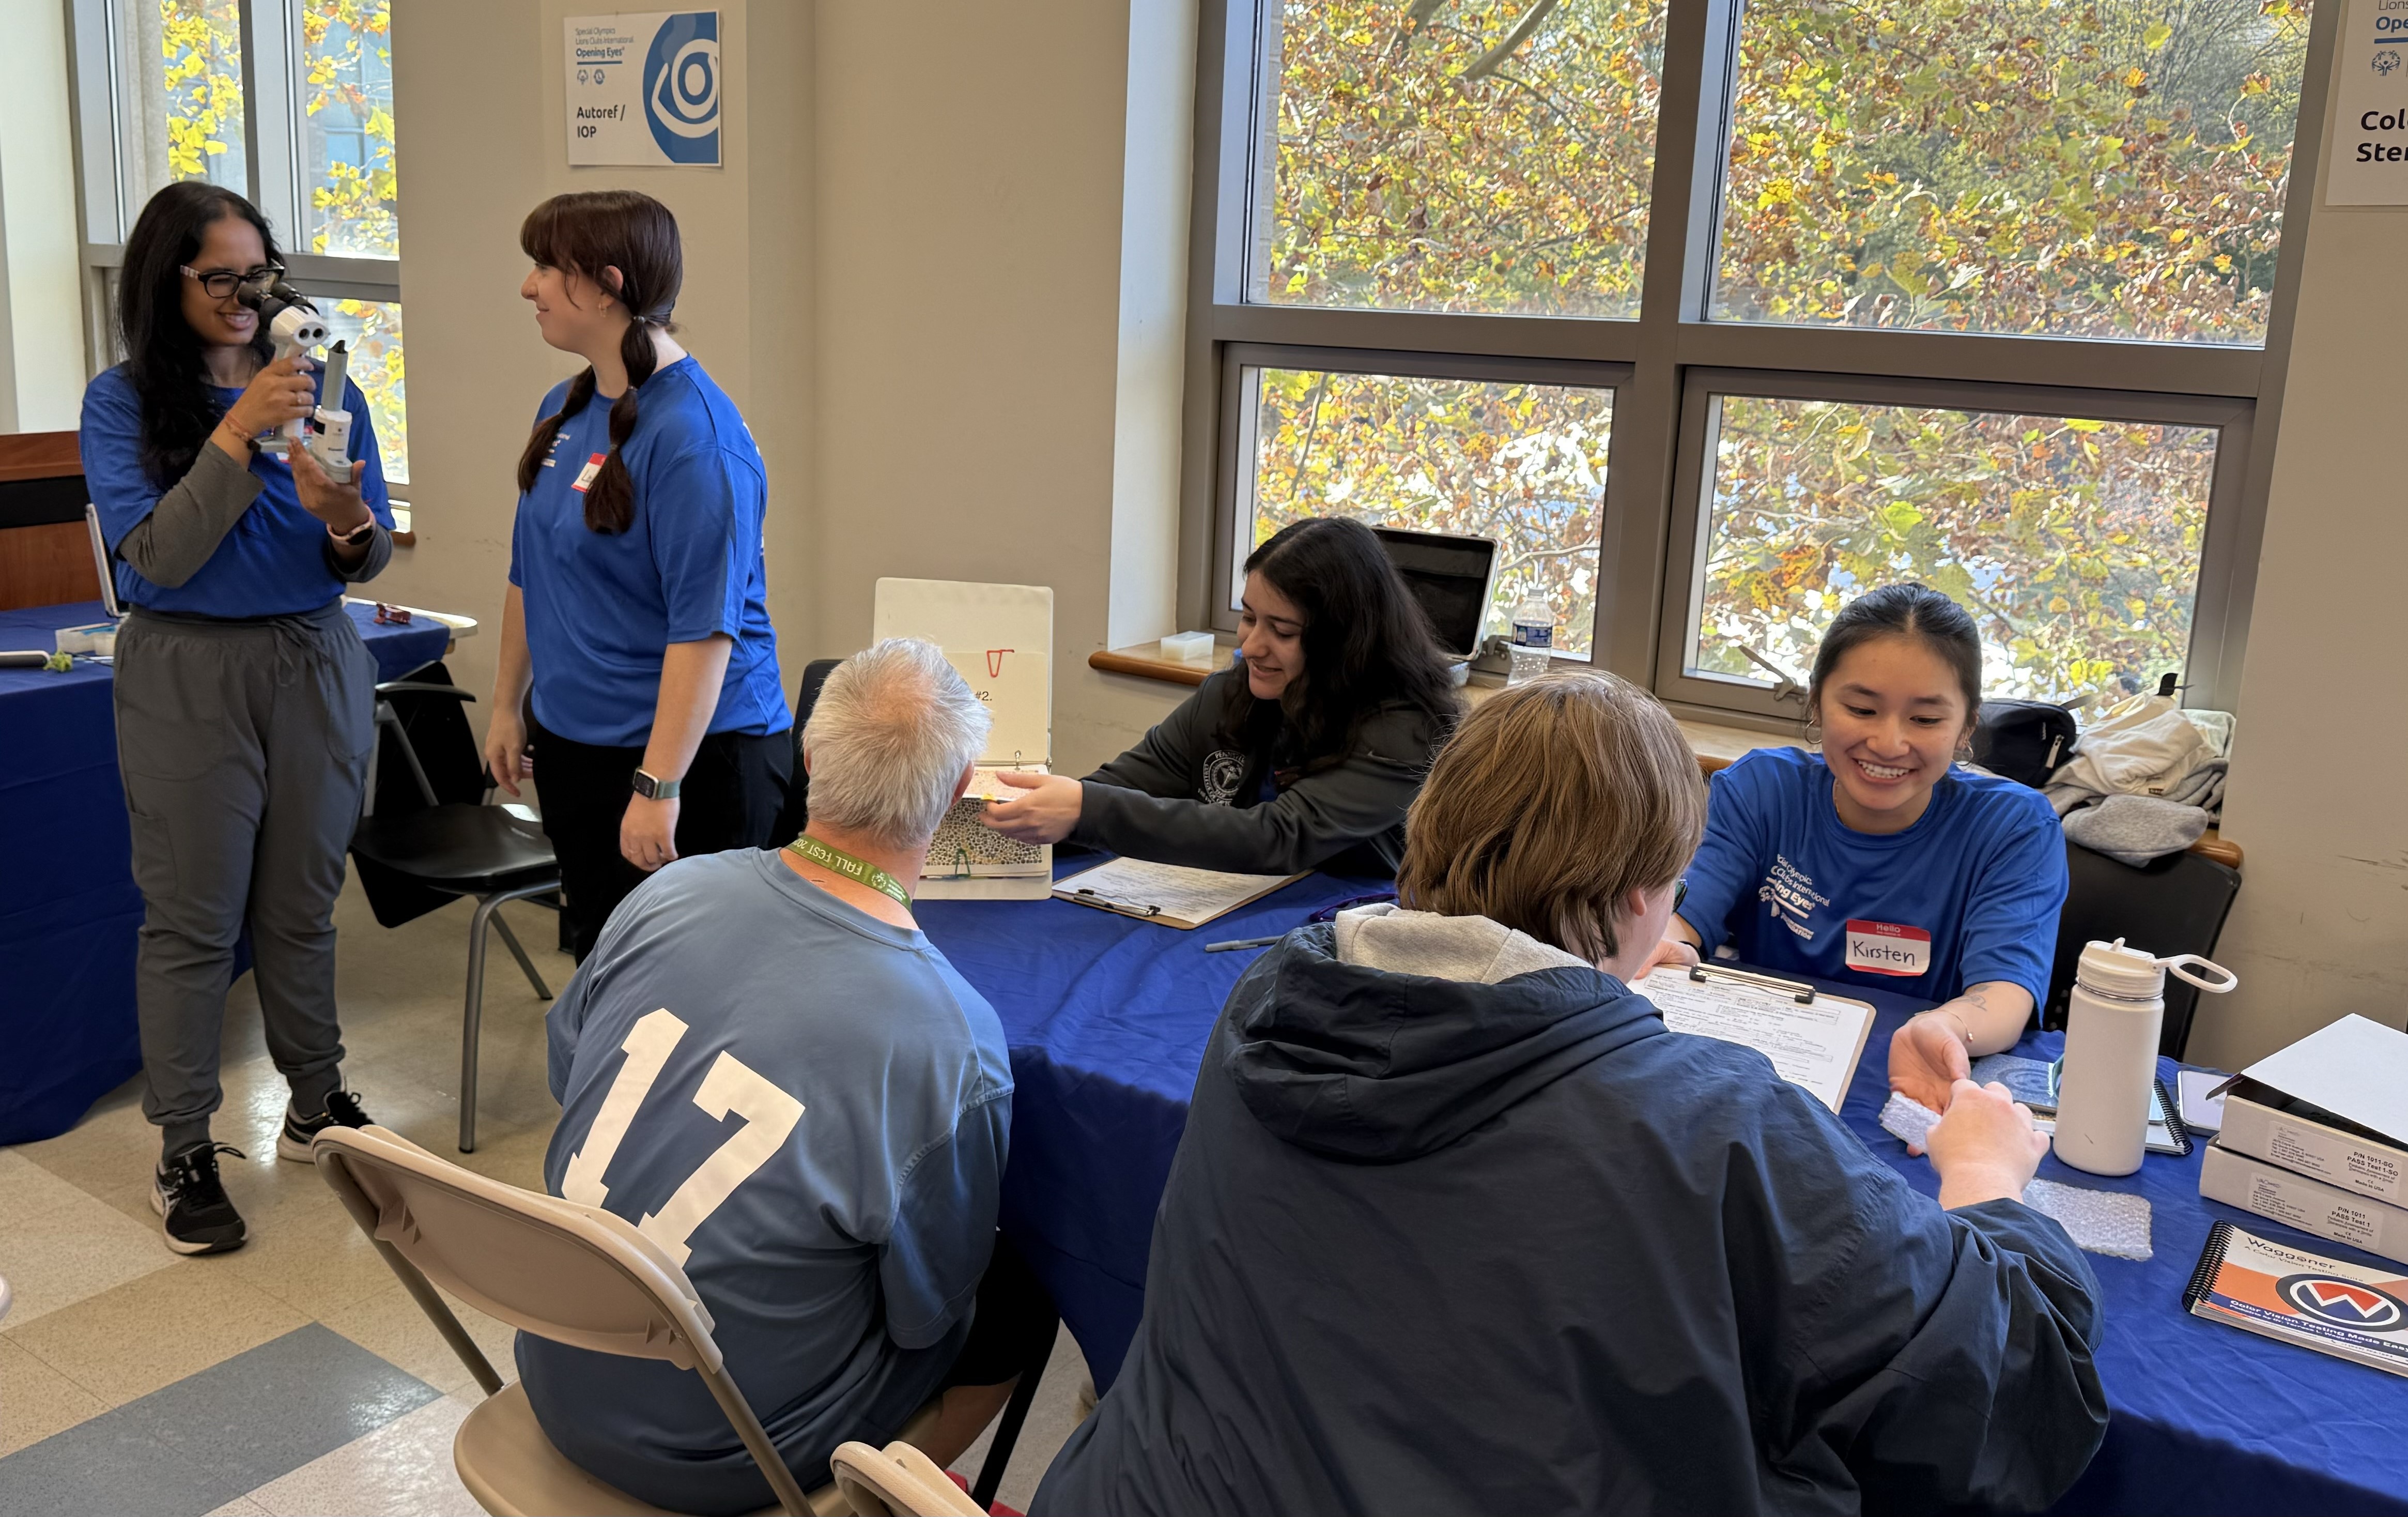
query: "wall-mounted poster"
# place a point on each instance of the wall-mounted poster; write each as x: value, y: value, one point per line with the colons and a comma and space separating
x: 644, y: 88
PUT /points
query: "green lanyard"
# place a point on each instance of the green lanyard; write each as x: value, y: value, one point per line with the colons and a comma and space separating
x: 838, y: 862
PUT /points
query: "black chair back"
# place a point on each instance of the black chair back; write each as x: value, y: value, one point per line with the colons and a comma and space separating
x: 2174, y: 905
x: 798, y: 790
x: 430, y: 737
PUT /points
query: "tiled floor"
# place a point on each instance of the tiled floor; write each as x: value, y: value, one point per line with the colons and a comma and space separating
x: 294, y: 1375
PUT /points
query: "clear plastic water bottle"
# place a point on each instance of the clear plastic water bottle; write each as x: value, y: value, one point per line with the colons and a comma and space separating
x: 1534, y: 634
x: 2111, y: 1051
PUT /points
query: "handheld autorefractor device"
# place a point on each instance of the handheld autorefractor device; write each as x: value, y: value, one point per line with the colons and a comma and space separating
x: 294, y: 327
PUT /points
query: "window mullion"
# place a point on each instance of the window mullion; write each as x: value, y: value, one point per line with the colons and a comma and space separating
x: 1646, y: 421
x: 271, y: 64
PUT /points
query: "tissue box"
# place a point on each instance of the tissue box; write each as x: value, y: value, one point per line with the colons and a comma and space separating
x: 100, y: 638
x: 1188, y: 647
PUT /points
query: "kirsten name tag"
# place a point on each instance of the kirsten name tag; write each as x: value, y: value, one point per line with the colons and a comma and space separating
x: 1889, y: 948
x: 585, y: 476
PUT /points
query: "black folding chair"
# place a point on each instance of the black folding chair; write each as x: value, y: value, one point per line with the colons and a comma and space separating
x: 414, y: 848
x: 2174, y: 904
x: 798, y: 790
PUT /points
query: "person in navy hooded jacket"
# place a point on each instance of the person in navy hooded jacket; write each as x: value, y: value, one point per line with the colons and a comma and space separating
x: 1458, y: 1225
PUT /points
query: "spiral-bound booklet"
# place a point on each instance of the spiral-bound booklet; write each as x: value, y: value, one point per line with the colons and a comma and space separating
x: 2294, y: 1296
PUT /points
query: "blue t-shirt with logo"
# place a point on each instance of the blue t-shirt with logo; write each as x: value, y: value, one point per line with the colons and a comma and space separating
x: 271, y: 563
x: 1967, y: 894
x: 809, y: 1109
x: 602, y: 607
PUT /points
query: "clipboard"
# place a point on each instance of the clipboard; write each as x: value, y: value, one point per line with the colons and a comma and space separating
x: 1168, y: 895
x: 1814, y: 1039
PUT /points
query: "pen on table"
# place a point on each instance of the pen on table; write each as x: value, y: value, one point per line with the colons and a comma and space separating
x: 1233, y: 944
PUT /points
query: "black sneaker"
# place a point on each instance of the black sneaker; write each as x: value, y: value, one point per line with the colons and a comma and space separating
x: 195, y: 1215
x: 342, y: 1110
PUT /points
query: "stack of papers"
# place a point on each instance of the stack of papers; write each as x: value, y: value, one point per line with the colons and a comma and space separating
x: 1166, y: 893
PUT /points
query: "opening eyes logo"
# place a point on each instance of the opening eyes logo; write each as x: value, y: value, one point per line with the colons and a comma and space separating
x: 681, y: 87
x: 2328, y: 1298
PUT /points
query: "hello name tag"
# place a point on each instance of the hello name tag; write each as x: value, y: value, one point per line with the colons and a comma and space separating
x: 1889, y: 948
x: 585, y: 475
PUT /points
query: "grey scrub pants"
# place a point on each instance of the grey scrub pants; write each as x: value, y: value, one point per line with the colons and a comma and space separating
x: 244, y: 745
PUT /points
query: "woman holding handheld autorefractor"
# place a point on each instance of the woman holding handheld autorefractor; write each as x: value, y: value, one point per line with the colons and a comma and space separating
x: 1305, y: 753
x: 1878, y: 859
x: 245, y: 699
x: 638, y: 607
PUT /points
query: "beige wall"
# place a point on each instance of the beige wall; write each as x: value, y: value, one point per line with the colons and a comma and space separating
x: 909, y: 275
x: 41, y: 276
x: 2321, y: 925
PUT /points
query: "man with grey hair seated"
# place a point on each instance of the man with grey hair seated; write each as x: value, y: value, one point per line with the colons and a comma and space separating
x: 766, y: 1069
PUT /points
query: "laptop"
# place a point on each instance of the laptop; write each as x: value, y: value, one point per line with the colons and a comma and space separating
x: 1453, y: 577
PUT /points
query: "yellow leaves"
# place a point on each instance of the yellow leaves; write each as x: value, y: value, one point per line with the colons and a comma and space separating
x: 2135, y: 77
x: 2157, y: 35
x: 1779, y: 192
x: 2074, y: 423
x: 2256, y: 84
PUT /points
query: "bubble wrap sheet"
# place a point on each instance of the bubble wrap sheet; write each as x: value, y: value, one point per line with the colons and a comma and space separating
x: 2102, y: 1221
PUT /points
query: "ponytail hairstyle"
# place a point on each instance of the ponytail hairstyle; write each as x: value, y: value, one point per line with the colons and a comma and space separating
x: 1909, y: 611
x: 163, y: 352
x: 586, y: 233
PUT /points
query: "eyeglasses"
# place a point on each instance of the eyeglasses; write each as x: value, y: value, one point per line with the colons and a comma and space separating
x: 1679, y: 893
x: 221, y: 282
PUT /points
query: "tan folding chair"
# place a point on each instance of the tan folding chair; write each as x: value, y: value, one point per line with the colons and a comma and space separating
x: 573, y: 1274
x: 899, y: 1483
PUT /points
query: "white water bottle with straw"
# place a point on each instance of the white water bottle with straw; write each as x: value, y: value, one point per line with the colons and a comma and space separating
x: 2111, y: 1051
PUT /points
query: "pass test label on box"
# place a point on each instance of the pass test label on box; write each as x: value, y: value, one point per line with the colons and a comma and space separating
x: 643, y: 88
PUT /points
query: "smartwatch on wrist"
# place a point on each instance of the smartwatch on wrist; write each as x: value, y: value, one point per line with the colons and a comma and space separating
x: 653, y: 788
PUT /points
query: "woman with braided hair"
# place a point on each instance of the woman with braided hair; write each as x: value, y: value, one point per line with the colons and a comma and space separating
x: 637, y: 612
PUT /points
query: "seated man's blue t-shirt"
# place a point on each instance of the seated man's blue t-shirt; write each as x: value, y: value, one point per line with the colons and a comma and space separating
x: 603, y: 607
x: 271, y: 563
x: 1967, y: 895
x: 809, y: 1109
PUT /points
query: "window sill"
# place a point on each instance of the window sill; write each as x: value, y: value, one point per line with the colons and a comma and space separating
x: 1716, y: 746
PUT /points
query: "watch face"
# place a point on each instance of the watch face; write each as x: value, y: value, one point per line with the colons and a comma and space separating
x: 645, y: 785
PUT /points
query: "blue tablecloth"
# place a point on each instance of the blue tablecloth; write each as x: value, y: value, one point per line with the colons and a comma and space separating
x: 1108, y: 1016
x: 68, y: 908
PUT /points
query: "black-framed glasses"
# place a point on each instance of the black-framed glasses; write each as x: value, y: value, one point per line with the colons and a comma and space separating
x: 1679, y: 893
x: 221, y: 282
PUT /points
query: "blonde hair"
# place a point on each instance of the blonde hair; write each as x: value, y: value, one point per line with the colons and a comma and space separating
x: 1554, y: 801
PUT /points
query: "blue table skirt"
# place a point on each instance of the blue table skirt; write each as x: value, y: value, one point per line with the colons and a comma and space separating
x: 1108, y: 1016
x: 68, y: 908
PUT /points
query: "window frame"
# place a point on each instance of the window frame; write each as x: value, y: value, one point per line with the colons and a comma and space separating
x: 1651, y: 510
x: 1693, y: 484
x: 108, y: 190
x: 1238, y: 416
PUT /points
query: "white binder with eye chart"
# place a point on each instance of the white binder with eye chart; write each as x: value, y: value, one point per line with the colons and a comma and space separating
x: 1000, y: 638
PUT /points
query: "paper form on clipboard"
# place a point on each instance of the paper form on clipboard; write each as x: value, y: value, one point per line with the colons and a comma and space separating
x: 1815, y: 1045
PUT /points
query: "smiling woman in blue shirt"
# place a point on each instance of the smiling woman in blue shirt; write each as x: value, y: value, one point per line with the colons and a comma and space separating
x: 1879, y: 860
x: 244, y: 697
x: 638, y: 611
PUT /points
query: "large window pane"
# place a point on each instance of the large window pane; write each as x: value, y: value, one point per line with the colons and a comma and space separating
x: 189, y: 95
x: 2114, y: 169
x: 373, y: 330
x: 346, y: 96
x: 1521, y: 464
x: 1474, y: 155
x: 2073, y: 542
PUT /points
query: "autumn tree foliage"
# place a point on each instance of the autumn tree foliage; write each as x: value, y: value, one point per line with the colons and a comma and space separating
x: 352, y: 207
x: 2075, y: 168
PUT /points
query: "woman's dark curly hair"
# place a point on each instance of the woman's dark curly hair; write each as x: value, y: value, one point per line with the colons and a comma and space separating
x: 163, y: 352
x: 1368, y: 642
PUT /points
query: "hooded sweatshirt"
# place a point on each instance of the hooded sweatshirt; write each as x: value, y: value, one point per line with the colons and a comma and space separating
x: 1459, y: 1226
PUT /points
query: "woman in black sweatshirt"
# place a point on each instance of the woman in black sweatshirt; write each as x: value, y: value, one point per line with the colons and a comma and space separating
x: 1303, y: 754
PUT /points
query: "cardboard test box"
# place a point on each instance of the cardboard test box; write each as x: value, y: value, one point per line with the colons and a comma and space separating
x: 2310, y: 1206
x: 2332, y: 1107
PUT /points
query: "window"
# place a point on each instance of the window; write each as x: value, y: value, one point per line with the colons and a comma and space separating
x: 1519, y: 463
x: 1457, y: 157
x: 1716, y: 315
x: 288, y: 102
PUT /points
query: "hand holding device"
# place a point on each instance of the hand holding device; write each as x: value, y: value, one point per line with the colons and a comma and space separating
x: 294, y: 327
x: 278, y: 395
